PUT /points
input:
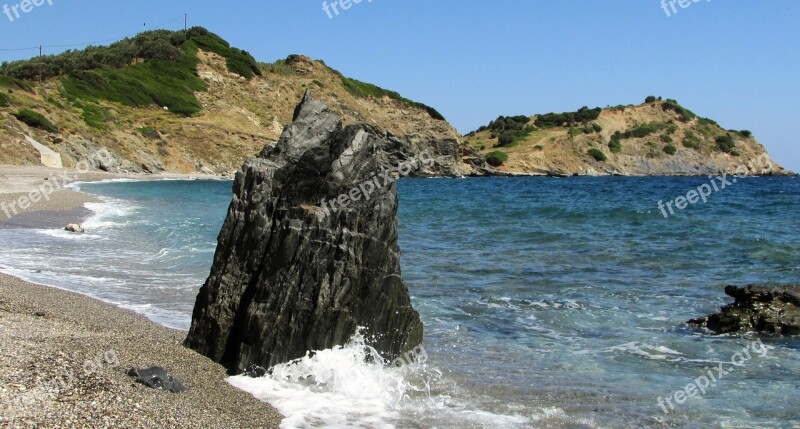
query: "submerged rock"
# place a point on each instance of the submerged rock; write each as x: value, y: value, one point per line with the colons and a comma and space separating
x: 757, y: 309
x: 157, y: 378
x: 308, y: 252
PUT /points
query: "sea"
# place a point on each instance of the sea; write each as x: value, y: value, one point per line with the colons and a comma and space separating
x: 547, y: 302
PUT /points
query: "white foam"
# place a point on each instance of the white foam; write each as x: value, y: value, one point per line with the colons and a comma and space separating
x: 350, y: 387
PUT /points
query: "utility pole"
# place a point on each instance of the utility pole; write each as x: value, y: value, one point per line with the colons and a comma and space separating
x: 41, y: 77
x: 185, y: 24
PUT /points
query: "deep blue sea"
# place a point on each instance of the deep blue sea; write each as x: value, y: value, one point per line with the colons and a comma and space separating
x: 547, y: 302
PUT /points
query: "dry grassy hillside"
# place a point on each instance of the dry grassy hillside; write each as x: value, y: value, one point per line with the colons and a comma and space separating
x: 238, y: 118
x: 654, y: 138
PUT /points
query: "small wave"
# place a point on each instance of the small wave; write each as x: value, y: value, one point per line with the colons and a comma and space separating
x: 648, y: 351
x: 349, y: 386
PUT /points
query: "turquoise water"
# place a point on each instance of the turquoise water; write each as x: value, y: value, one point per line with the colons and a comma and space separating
x: 546, y: 302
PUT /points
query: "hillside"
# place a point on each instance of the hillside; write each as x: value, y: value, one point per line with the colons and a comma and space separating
x: 189, y: 103
x: 658, y: 137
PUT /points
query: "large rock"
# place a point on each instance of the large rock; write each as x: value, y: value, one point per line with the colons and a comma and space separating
x: 757, y: 309
x: 291, y: 274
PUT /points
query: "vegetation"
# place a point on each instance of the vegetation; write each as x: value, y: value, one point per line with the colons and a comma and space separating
x: 11, y: 83
x: 746, y: 134
x: 508, y: 130
x: 538, y: 148
x: 496, y: 158
x: 505, y: 139
x: 506, y: 123
x: 149, y: 133
x: 685, y: 114
x: 35, y: 120
x: 95, y: 116
x: 615, y: 144
x: 691, y: 143
x: 650, y: 99
x: 666, y: 139
x: 726, y: 143
x: 359, y: 89
x: 154, y: 67
x: 575, y: 132
x: 597, y: 154
x: 5, y: 100
x: 596, y: 127
x: 584, y: 115
x: 280, y: 67
x: 162, y: 45
x: 237, y: 61
x: 670, y: 150
x: 644, y: 130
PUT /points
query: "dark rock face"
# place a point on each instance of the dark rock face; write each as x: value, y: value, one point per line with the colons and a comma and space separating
x: 157, y: 378
x: 294, y: 274
x: 757, y: 309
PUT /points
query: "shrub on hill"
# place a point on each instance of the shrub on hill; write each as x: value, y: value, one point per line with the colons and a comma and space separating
x: 692, y: 143
x: 35, y: 120
x: 685, y: 114
x: 584, y: 115
x: 670, y: 150
x: 615, y: 144
x: 726, y: 143
x: 650, y: 99
x: 95, y: 116
x: 644, y: 130
x: 496, y: 158
x: 597, y: 154
x: 5, y: 100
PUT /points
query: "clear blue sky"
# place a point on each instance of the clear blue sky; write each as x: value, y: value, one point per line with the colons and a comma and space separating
x: 735, y: 61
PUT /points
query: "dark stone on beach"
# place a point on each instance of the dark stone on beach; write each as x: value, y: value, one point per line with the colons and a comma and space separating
x: 40, y: 314
x: 773, y: 310
x: 157, y: 378
x: 291, y: 275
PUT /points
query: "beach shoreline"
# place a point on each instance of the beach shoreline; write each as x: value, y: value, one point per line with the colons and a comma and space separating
x: 59, y: 205
x: 54, y: 366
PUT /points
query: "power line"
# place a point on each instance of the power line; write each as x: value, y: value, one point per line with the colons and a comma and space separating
x: 184, y: 17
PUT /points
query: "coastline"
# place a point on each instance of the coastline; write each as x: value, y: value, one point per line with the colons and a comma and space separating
x: 63, y: 206
x: 51, y: 336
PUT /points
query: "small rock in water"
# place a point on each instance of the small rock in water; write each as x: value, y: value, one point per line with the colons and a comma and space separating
x: 757, y: 309
x: 75, y: 228
x: 157, y: 378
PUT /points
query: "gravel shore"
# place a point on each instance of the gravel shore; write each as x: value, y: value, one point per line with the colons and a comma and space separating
x: 64, y: 357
